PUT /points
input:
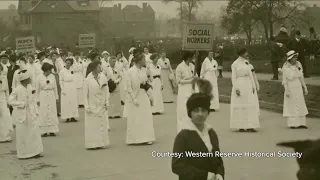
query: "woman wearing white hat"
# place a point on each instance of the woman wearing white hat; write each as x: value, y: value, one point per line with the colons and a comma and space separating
x: 29, y: 143
x: 294, y: 105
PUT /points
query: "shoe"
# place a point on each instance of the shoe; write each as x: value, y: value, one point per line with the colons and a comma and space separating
x: 212, y: 110
x: 252, y: 130
x: 293, y: 127
x: 44, y: 135
x: 74, y: 120
x: 68, y: 120
x: 242, y: 130
x: 303, y: 127
x: 52, y: 134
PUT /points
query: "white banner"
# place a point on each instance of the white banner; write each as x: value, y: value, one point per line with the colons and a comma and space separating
x: 25, y: 44
x: 87, y: 40
x: 197, y: 36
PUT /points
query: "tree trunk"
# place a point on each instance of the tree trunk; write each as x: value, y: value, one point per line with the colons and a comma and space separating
x: 266, y: 30
x: 181, y: 19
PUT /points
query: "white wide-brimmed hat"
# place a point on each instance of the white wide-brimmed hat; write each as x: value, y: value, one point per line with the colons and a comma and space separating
x: 291, y: 54
x: 283, y: 29
x: 131, y: 49
x: 23, y: 75
x: 105, y: 52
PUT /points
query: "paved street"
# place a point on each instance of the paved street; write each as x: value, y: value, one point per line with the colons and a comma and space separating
x: 65, y: 157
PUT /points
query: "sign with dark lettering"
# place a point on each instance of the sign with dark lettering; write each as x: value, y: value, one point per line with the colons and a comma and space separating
x: 87, y: 40
x: 25, y: 44
x: 197, y: 36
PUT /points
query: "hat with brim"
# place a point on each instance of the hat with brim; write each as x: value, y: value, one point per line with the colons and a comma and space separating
x: 105, y: 52
x: 131, y: 49
x: 4, y: 56
x: 23, y: 75
x: 291, y: 54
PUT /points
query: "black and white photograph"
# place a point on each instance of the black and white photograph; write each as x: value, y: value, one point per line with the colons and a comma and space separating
x: 159, y: 90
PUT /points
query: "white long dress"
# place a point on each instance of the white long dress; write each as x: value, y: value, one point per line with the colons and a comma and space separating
x: 255, y: 94
x: 6, y: 128
x: 294, y: 107
x: 126, y: 103
x: 96, y: 100
x: 78, y: 78
x: 139, y: 118
x: 209, y: 72
x: 155, y: 75
x: 69, y: 104
x: 184, y: 92
x: 47, y: 95
x: 243, y: 108
x: 28, y: 135
x: 115, y: 103
x: 122, y: 66
x: 167, y: 91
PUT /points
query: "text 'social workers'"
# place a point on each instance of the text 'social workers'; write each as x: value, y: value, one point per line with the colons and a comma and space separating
x: 199, y: 36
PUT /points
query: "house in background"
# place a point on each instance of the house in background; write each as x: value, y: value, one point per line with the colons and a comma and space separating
x: 58, y: 21
x: 130, y: 21
x: 8, y: 16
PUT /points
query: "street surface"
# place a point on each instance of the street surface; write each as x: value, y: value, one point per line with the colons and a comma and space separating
x: 65, y: 157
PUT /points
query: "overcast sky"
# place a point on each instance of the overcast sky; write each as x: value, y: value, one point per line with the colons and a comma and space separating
x: 161, y: 8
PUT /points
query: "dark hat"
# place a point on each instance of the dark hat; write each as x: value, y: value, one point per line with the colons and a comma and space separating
x: 309, y: 163
x: 4, y: 56
x: 198, y: 100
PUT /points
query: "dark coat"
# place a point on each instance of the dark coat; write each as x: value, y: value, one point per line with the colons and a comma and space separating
x: 276, y: 52
x: 300, y: 47
x: 283, y: 38
x: 191, y: 168
x: 10, y: 75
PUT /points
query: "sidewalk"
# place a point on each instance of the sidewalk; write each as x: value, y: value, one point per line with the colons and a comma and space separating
x: 313, y: 80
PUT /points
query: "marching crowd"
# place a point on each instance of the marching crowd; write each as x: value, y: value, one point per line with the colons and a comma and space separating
x: 37, y: 88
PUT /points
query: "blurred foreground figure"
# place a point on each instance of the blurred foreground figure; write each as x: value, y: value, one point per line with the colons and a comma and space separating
x: 309, y: 163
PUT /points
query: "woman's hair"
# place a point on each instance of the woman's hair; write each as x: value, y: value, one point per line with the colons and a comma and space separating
x: 118, y: 53
x: 241, y: 51
x: 41, y: 54
x: 77, y: 53
x: 311, y: 29
x: 145, y: 47
x: 198, y: 100
x: 92, y: 66
x: 137, y: 55
x: 23, y: 59
x: 46, y: 67
x: 187, y: 54
x: 154, y: 56
x: 70, y: 60
x: 31, y: 56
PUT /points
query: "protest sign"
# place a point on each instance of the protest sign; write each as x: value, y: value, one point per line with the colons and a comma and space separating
x: 197, y: 36
x: 25, y: 44
x: 87, y: 40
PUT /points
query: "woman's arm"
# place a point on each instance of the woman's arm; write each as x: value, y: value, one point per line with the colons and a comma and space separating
x: 170, y: 68
x: 86, y: 93
x: 38, y: 89
x: 256, y: 80
x: 234, y: 76
x: 55, y: 88
x: 13, y: 100
x: 180, y: 79
x: 203, y: 68
x: 180, y: 165
x: 61, y: 80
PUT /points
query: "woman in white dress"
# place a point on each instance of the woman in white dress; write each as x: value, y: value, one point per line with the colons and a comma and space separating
x: 154, y: 71
x: 28, y: 137
x: 209, y: 71
x: 140, y: 128
x: 147, y: 55
x: 69, y: 104
x: 6, y: 128
x: 47, y: 96
x: 122, y: 66
x: 184, y: 76
x: 257, y: 87
x: 294, y: 105
x: 78, y: 75
x: 244, y: 115
x: 96, y: 99
x: 115, y: 102
x: 166, y: 70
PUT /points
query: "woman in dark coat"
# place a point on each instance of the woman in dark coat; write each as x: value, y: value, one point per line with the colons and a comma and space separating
x: 198, y: 138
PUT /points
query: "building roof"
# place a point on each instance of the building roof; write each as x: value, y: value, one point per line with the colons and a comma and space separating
x: 67, y: 5
x: 137, y: 9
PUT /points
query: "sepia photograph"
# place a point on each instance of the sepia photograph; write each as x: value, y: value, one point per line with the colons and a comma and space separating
x: 159, y: 90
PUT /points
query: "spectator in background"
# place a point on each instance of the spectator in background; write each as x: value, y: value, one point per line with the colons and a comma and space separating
x: 275, y: 58
x: 314, y: 43
x: 300, y: 46
x: 219, y: 59
x: 283, y: 36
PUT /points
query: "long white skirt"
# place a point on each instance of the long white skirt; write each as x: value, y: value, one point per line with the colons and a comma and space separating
x: 296, y: 121
x: 80, y: 96
x: 6, y: 128
x: 122, y: 90
x: 244, y: 113
x: 126, y: 107
x: 167, y: 91
x: 184, y: 92
x: 157, y: 96
x: 28, y: 137
x: 96, y: 131
x: 48, y: 112
x: 115, y: 104
x: 140, y: 121
x: 69, y: 104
